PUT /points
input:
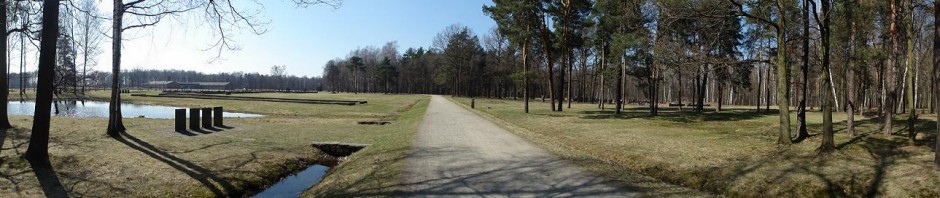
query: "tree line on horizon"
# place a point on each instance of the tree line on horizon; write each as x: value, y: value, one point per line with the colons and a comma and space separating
x: 64, y: 32
x: 856, y: 56
x: 139, y: 78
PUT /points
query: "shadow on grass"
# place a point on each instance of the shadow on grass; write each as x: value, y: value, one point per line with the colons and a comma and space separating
x: 675, y: 115
x: 48, y: 180
x: 217, y: 185
x: 204, y: 130
x: 211, y: 128
x: 17, y: 137
x: 3, y: 138
x: 186, y: 132
x: 67, y: 178
x: 869, y: 149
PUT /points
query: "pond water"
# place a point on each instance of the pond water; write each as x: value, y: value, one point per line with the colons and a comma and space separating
x: 296, y: 184
x: 99, y: 109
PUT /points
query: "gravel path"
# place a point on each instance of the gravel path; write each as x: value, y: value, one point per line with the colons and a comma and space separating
x: 459, y: 154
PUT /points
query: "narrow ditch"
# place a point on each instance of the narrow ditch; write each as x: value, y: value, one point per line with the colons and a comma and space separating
x: 330, y: 155
x: 296, y: 184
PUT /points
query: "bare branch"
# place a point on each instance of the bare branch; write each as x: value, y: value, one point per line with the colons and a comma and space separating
x: 306, y: 3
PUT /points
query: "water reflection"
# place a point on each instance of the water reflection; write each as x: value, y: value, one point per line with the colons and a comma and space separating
x: 99, y: 109
x: 295, y: 185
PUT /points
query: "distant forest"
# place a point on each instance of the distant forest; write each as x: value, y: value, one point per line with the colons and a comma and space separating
x: 138, y: 78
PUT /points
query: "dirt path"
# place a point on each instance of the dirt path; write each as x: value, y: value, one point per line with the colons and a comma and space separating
x: 457, y: 153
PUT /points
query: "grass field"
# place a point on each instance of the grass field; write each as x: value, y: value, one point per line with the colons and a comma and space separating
x: 731, y: 153
x: 151, y: 160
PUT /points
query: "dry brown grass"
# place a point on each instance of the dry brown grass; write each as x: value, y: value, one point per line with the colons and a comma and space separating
x: 730, y: 153
x: 153, y: 161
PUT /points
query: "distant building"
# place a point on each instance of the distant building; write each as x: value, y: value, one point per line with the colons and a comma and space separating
x: 205, y: 85
x: 189, y: 85
x: 163, y: 85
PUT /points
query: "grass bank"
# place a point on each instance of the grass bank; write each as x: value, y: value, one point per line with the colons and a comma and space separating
x: 730, y: 153
x: 151, y: 160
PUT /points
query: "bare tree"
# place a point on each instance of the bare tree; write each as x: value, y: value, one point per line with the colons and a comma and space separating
x: 221, y: 16
x: 88, y: 36
x: 278, y: 72
x: 146, y: 14
x: 4, y: 82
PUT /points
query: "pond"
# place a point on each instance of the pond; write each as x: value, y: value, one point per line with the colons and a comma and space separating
x: 99, y: 109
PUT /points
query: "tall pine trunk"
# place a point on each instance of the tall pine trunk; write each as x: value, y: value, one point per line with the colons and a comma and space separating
x: 560, y: 89
x: 525, y: 74
x: 850, y: 78
x: 570, y: 79
x: 679, y: 73
x: 703, y: 85
x: 828, y: 144
x: 619, y: 92
x: 911, y: 114
x: 936, y: 79
x: 801, y: 111
x: 893, y: 60
x: 549, y: 62
x: 603, y: 87
x: 783, y: 92
x: 760, y: 85
x: 653, y: 96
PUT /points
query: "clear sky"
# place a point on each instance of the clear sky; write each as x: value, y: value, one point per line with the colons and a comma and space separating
x: 302, y: 39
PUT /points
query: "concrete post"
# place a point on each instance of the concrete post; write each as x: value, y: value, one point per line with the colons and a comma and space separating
x: 207, y: 118
x: 180, y: 120
x: 194, y: 119
x: 217, y: 113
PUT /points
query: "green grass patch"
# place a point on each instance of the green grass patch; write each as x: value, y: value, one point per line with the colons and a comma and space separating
x: 730, y: 152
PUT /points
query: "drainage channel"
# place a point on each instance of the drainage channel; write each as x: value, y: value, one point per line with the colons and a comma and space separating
x: 294, y: 185
x: 331, y: 154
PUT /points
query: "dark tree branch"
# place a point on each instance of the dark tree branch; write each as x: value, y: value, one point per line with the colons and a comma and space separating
x: 741, y: 12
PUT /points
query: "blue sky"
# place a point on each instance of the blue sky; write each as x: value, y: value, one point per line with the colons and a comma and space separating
x: 302, y: 39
